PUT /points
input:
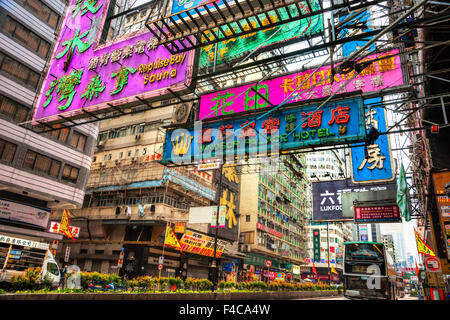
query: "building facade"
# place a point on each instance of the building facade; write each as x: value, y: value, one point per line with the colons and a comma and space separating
x: 40, y: 172
x: 273, y: 219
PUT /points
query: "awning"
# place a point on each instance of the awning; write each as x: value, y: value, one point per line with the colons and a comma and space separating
x: 233, y: 253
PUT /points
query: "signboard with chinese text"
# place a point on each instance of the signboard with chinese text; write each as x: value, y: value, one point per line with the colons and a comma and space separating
x: 335, y: 123
x: 86, y: 76
x: 54, y: 228
x: 229, y: 199
x: 373, y: 214
x: 316, y: 244
x: 197, y: 243
x: 23, y: 242
x: 238, y: 47
x: 17, y: 212
x: 378, y: 166
x: 327, y: 197
x: 381, y: 74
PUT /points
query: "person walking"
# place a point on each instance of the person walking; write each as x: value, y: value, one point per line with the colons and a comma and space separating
x: 63, y: 276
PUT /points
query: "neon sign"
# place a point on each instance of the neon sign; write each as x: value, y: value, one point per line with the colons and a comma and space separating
x: 87, y: 75
x: 335, y: 123
x: 379, y: 75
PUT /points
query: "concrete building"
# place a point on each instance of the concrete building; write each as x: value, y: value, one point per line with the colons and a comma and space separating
x: 274, y: 217
x: 38, y: 172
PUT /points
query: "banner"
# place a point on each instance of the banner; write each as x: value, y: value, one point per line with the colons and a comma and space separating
x: 197, y: 243
x: 64, y: 227
x: 403, y: 195
x: 380, y: 74
x: 171, y: 239
x: 422, y: 247
x: 222, y: 214
x: 55, y: 228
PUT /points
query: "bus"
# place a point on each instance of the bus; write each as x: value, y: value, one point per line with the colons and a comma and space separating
x: 362, y: 261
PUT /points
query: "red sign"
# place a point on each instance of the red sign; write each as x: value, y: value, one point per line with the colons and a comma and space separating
x: 373, y: 214
x: 54, y: 228
x: 160, y: 266
x: 271, y: 231
x: 268, y: 263
x: 432, y: 264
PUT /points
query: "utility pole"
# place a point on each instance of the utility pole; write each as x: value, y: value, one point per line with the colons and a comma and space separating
x: 328, y: 250
x: 214, y: 263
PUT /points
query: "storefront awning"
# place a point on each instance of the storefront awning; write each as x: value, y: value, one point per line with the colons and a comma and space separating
x: 234, y: 254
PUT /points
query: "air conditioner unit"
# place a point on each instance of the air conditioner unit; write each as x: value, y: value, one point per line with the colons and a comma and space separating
x: 101, y: 144
x: 134, y: 159
x: 138, y: 136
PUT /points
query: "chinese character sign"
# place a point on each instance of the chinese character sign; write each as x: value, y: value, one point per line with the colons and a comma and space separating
x: 86, y: 75
x: 379, y: 75
x: 375, y: 163
x: 335, y: 123
x: 237, y: 47
x: 327, y: 197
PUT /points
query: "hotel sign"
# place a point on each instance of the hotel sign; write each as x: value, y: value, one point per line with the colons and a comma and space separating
x: 291, y: 129
x: 85, y: 75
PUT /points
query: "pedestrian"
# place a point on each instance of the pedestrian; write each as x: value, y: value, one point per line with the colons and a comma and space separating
x: 63, y: 276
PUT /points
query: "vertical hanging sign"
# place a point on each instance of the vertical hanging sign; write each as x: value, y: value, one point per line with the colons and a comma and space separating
x: 375, y: 164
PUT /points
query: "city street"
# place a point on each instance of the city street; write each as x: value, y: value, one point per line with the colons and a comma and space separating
x: 224, y: 149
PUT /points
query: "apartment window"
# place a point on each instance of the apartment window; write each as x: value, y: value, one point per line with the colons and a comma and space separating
x: 7, y: 150
x: 136, y: 152
x: 12, y: 109
x: 28, y: 38
x: 78, y: 141
x: 121, y: 154
x: 247, y: 218
x: 40, y: 10
x: 129, y: 153
x: 41, y: 163
x: 19, y: 71
x: 70, y: 173
x: 60, y: 134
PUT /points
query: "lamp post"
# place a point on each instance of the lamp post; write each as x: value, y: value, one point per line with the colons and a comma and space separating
x: 214, y: 263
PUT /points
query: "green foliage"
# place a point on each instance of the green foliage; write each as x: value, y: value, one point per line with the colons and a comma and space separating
x: 26, y: 281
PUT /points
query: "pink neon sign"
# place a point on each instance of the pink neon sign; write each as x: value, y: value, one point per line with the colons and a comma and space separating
x: 379, y: 75
x: 86, y: 75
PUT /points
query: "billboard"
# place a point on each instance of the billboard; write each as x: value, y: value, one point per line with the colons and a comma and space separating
x: 378, y: 165
x: 85, y: 75
x: 335, y: 123
x: 237, y: 47
x: 197, y: 243
x: 327, y: 197
x: 381, y: 74
x: 17, y: 212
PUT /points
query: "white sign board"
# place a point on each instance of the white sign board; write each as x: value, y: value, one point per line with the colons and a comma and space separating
x: 201, y: 214
x: 23, y: 242
x: 14, y: 211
